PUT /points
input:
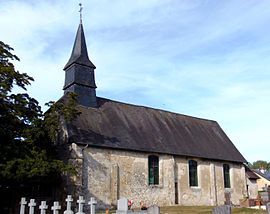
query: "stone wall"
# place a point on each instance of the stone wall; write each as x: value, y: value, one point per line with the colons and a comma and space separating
x: 112, y: 174
x: 262, y: 182
x: 252, y: 188
x: 238, y: 183
x: 200, y: 195
x: 210, y: 190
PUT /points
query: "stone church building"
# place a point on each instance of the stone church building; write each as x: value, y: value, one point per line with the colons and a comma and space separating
x: 145, y: 154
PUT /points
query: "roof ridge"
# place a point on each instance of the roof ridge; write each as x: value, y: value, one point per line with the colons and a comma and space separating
x: 157, y: 109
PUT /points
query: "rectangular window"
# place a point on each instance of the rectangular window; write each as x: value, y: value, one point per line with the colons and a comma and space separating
x: 226, y: 174
x: 153, y: 170
x: 193, y: 175
x: 176, y: 192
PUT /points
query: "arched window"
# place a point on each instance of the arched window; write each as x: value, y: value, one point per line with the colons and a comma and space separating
x: 226, y: 174
x: 193, y: 175
x: 153, y: 170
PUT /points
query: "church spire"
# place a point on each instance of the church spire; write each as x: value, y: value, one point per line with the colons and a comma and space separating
x: 79, y: 70
x: 79, y: 53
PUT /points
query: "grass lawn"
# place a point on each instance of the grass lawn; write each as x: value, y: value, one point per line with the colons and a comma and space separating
x: 197, y: 210
x: 247, y: 210
x: 204, y: 209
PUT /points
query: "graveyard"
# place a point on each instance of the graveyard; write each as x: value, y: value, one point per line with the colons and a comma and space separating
x: 81, y: 206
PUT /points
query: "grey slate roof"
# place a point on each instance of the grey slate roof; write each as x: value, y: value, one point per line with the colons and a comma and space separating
x: 79, y: 53
x: 129, y: 127
x: 265, y: 175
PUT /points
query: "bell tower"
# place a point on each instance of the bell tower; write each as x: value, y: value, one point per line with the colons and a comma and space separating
x: 79, y: 72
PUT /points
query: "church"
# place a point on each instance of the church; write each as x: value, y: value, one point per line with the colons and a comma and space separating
x: 148, y: 155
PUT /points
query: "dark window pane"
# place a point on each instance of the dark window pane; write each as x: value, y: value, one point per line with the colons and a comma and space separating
x: 153, y: 168
x: 226, y: 173
x: 193, y: 177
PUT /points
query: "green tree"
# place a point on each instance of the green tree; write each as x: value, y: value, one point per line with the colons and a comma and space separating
x: 261, y: 164
x: 27, y: 135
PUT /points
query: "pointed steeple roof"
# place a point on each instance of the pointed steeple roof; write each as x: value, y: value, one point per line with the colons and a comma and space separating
x: 79, y: 53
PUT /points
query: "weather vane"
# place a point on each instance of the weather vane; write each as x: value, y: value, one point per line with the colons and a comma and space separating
x: 80, y: 11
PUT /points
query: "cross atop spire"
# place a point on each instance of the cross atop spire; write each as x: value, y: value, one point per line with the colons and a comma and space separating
x: 80, y: 11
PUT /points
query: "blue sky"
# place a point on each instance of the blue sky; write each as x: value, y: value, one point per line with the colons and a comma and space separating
x: 205, y: 58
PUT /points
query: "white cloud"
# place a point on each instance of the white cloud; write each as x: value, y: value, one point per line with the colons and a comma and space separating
x: 199, y: 57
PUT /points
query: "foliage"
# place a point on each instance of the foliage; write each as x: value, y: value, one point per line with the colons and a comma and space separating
x: 28, y: 136
x: 261, y: 164
x: 58, y: 111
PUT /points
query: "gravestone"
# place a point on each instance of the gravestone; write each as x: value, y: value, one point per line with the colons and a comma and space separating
x: 268, y: 208
x: 153, y: 210
x: 264, y: 196
x: 56, y: 207
x: 69, y: 200
x: 43, y: 207
x: 122, y: 206
x: 80, y: 202
x: 32, y: 205
x: 92, y: 204
x: 224, y: 209
x: 23, y: 204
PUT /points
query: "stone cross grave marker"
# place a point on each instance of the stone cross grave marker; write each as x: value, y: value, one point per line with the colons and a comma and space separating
x: 43, y: 206
x: 69, y: 199
x: 81, y: 201
x: 23, y: 203
x: 56, y: 207
x: 153, y: 210
x: 92, y: 203
x: 32, y: 205
x: 224, y: 209
x: 268, y: 208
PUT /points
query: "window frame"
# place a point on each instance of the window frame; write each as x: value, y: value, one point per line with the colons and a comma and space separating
x: 193, y: 173
x: 153, y: 170
x: 226, y: 176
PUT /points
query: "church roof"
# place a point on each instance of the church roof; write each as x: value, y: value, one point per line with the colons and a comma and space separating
x: 250, y: 174
x: 79, y: 53
x: 265, y: 175
x: 123, y: 126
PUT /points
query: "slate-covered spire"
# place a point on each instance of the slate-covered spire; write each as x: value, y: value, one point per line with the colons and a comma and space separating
x: 79, y: 70
x: 79, y: 53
